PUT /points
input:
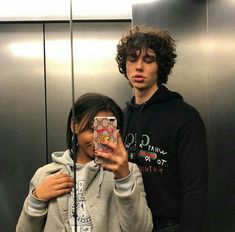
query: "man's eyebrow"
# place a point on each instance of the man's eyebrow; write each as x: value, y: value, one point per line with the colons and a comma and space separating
x: 153, y: 55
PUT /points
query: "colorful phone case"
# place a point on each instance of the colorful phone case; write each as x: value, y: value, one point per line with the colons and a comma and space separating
x: 104, y: 129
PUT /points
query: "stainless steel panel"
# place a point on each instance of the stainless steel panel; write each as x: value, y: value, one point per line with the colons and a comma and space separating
x: 221, y: 52
x: 203, y: 74
x: 29, y: 97
x: 95, y: 70
x: 186, y: 21
x: 22, y: 115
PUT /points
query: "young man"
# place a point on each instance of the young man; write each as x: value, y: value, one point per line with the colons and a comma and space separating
x: 163, y: 134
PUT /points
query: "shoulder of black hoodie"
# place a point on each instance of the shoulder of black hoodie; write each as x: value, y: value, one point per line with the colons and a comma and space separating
x: 169, y: 103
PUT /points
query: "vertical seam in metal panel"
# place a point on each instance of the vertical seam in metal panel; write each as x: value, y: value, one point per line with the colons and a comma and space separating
x: 45, y: 89
x: 132, y: 14
x: 208, y: 75
x: 208, y: 107
x: 74, y: 137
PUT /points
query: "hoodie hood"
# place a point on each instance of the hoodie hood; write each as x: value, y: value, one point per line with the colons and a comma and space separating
x: 62, y: 157
x: 161, y: 95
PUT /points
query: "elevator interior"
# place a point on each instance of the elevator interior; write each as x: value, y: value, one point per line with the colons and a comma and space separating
x: 35, y: 86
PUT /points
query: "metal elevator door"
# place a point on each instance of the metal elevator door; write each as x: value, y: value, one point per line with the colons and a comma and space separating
x: 204, y: 75
x: 35, y: 95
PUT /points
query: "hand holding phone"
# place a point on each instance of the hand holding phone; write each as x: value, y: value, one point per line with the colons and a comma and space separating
x: 105, y: 129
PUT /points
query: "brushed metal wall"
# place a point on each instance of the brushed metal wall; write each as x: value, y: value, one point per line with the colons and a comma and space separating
x: 221, y: 53
x: 204, y: 75
x: 35, y: 95
x: 34, y: 99
x: 186, y: 21
x: 22, y: 116
x: 95, y: 70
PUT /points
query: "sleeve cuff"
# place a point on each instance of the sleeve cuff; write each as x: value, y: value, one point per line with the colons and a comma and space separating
x: 35, y: 205
x: 124, y: 185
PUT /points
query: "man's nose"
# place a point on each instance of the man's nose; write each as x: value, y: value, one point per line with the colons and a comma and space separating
x: 139, y: 65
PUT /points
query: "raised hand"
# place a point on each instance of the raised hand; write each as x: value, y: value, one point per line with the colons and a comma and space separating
x: 53, y: 186
x: 118, y: 160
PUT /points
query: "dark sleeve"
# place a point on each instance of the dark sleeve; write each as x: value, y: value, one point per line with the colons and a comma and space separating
x: 192, y: 158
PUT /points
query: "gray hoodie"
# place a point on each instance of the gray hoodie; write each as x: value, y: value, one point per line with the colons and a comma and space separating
x: 111, y: 204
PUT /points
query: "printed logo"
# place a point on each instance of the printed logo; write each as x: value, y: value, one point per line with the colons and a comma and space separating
x: 84, y: 223
x: 149, y: 153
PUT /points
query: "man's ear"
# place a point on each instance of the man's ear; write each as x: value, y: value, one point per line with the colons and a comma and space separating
x: 74, y: 126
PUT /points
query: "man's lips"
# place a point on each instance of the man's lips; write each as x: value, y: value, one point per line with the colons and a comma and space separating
x: 138, y: 78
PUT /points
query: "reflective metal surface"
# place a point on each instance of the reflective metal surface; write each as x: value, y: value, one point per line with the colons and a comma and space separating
x: 31, y: 99
x: 186, y: 21
x: 35, y: 99
x: 22, y: 116
x: 221, y: 53
x: 204, y: 75
x: 95, y: 70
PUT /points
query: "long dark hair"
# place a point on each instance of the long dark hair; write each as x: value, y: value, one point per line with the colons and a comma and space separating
x: 85, y: 109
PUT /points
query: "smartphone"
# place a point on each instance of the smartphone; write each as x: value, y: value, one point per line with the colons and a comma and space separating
x: 105, y: 128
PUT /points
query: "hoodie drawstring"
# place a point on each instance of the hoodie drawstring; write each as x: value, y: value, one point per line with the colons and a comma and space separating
x: 139, y: 124
x: 101, y: 178
x: 139, y: 129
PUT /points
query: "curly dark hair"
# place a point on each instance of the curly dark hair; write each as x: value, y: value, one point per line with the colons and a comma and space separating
x: 156, y: 39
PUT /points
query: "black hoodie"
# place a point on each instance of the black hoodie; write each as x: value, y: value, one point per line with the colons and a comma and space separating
x: 171, y: 155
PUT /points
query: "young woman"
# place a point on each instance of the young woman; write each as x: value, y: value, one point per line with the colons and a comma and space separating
x: 110, y: 197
